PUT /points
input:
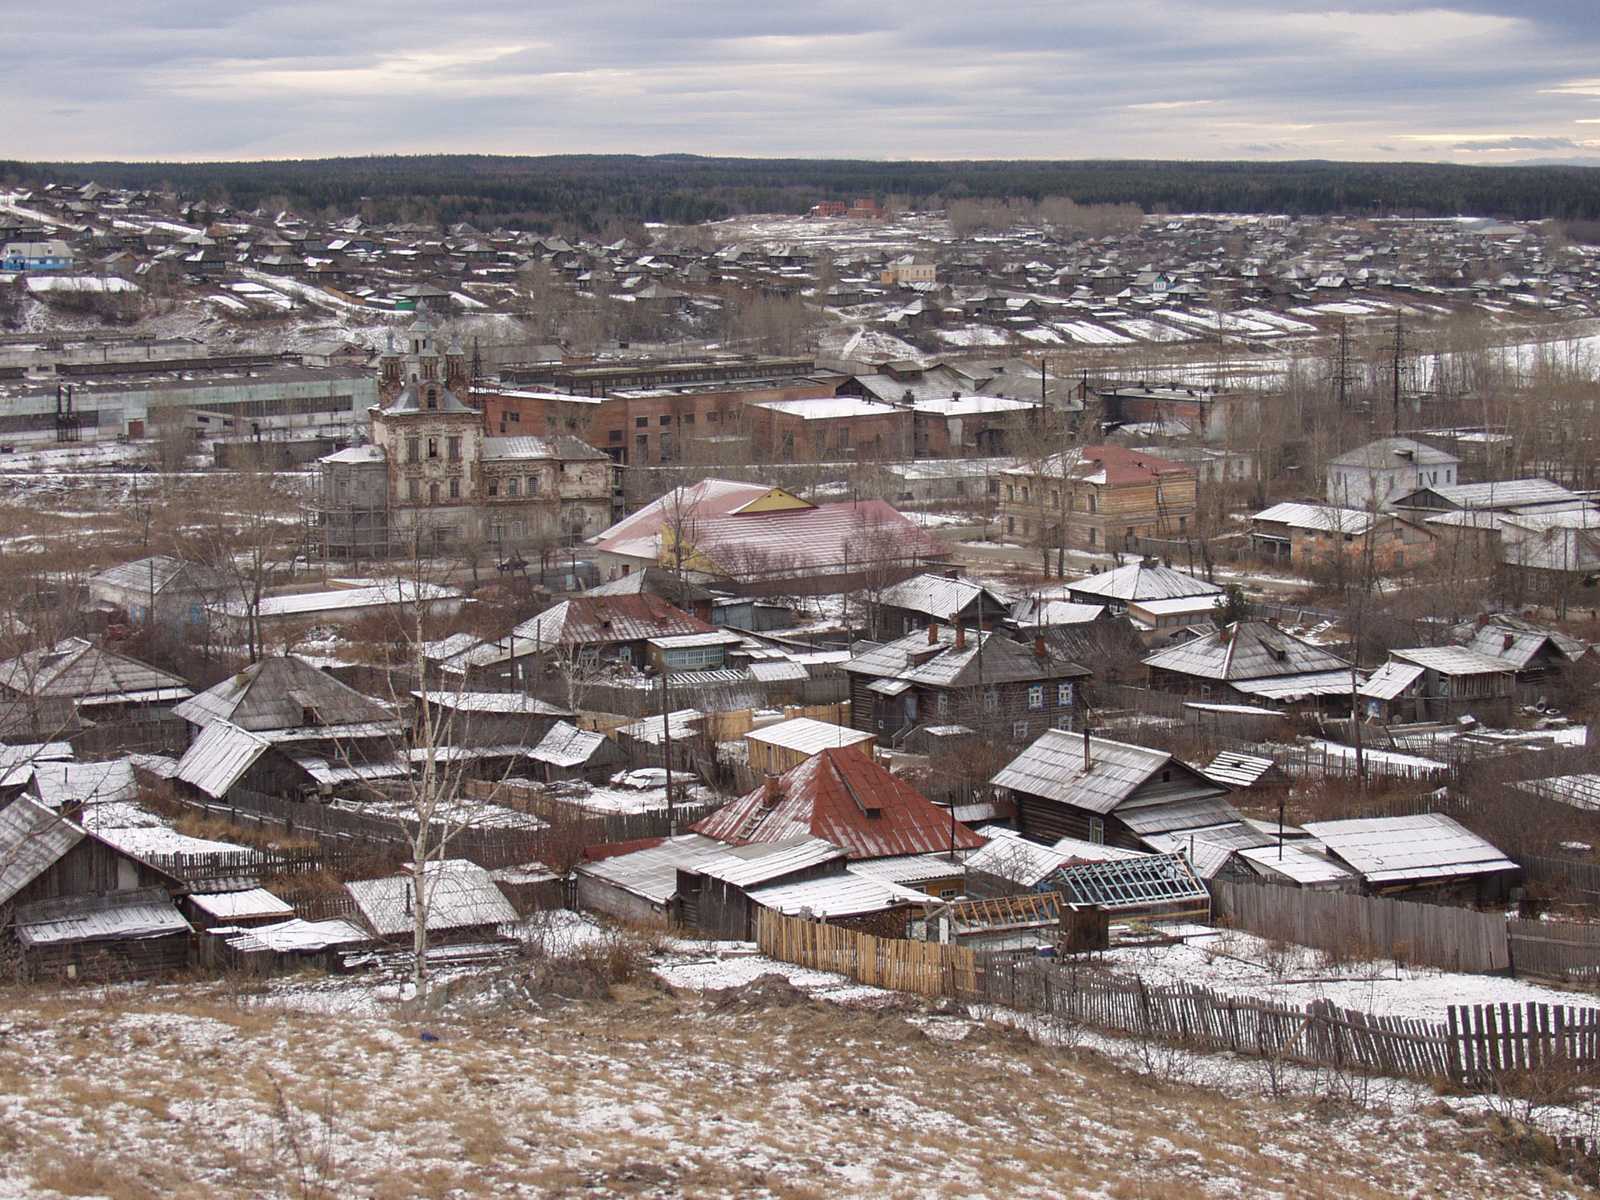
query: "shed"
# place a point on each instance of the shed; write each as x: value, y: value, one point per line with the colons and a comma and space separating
x: 713, y: 894
x: 1428, y: 850
x: 567, y: 752
x: 462, y: 900
x: 1154, y: 885
x: 108, y: 936
x: 775, y: 749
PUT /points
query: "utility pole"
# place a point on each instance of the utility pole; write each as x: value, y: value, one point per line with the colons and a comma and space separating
x: 666, y: 742
x: 1399, y: 352
x: 1341, y: 366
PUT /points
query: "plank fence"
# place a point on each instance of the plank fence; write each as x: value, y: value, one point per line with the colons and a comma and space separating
x: 259, y: 864
x: 1452, y: 939
x: 1564, y: 950
x: 1474, y: 1045
x: 927, y: 968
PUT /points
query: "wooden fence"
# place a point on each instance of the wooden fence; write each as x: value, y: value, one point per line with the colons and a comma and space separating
x: 258, y: 864
x: 1473, y: 1045
x: 1563, y: 950
x: 1452, y: 939
x: 927, y: 968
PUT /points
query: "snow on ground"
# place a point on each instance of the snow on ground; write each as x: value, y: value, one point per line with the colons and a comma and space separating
x: 1152, y: 331
x: 975, y: 335
x: 1266, y: 316
x: 720, y: 965
x: 80, y: 283
x: 1094, y: 335
x: 1240, y: 964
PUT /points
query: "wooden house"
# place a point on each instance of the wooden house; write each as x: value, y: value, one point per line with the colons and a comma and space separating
x: 79, y: 907
x: 1106, y: 792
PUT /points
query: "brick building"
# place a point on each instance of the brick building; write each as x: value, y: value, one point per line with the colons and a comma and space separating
x: 829, y: 429
x: 1097, y: 498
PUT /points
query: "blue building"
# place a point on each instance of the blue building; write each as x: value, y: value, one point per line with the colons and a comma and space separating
x: 53, y: 255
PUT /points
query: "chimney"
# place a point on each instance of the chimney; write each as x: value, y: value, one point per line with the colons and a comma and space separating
x: 1088, y: 760
x: 1483, y: 619
x: 961, y: 636
x: 1038, y: 648
x: 1510, y: 640
x: 933, y: 633
x: 769, y: 790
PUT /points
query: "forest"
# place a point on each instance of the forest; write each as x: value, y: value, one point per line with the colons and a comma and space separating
x: 585, y: 193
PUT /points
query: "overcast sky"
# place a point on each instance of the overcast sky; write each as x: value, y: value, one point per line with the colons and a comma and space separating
x: 1478, y: 81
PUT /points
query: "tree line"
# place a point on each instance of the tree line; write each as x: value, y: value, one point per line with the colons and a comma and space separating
x: 584, y: 192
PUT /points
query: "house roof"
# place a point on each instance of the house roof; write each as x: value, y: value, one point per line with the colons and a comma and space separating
x: 794, y: 541
x: 1142, y: 581
x: 689, y: 503
x: 651, y: 870
x: 602, y: 620
x: 844, y: 895
x: 762, y: 862
x: 1390, y: 680
x: 1416, y: 848
x: 76, y: 669
x: 460, y: 895
x: 843, y: 797
x: 565, y: 745
x: 937, y: 596
x: 32, y: 840
x: 1501, y: 494
x: 272, y: 696
x: 1053, y: 768
x: 1324, y: 518
x: 155, y: 574
x: 138, y: 913
x: 1245, y: 650
x: 656, y: 582
x: 1453, y: 660
x: 1517, y: 641
x: 1393, y: 452
x: 915, y: 662
x: 807, y: 735
x: 219, y: 757
x: 1112, y: 466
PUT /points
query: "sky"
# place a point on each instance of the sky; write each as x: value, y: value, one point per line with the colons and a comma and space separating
x: 1469, y: 81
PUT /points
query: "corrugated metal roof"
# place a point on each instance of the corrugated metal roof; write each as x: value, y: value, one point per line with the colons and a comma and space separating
x: 692, y: 502
x: 32, y: 840
x: 499, y: 703
x: 298, y: 936
x: 1452, y: 660
x: 778, y: 672
x: 1176, y: 814
x: 1297, y: 861
x: 652, y: 872
x: 807, y: 735
x: 681, y: 722
x: 17, y: 762
x: 69, y: 785
x: 1237, y: 770
x: 1395, y: 849
x: 243, y: 905
x: 459, y: 895
x: 937, y: 596
x: 761, y: 862
x: 155, y: 573
x: 1501, y: 494
x: 1245, y: 650
x: 1393, y: 452
x: 74, y: 668
x: 789, y: 543
x: 1053, y: 768
x: 219, y: 757
x: 273, y: 695
x: 844, y: 895
x: 143, y: 913
x: 1389, y: 680
x: 914, y: 660
x: 909, y: 869
x: 1141, y: 581
x: 565, y: 745
x: 1297, y: 687
x: 843, y: 797
x: 1322, y: 517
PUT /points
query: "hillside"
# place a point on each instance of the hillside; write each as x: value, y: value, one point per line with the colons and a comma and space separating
x: 320, y: 1089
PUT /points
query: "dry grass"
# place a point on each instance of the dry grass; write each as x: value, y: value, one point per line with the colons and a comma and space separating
x: 646, y: 1095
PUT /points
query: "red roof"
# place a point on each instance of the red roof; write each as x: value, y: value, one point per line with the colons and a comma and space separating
x: 1123, y: 465
x: 843, y: 797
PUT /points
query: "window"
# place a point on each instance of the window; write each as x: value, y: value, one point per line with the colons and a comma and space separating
x: 1019, y: 731
x: 453, y: 449
x: 515, y: 416
x: 844, y: 437
x: 942, y: 704
x: 1011, y: 524
x: 1183, y: 524
x: 688, y: 418
x: 413, y: 490
x: 433, y: 393
x: 1064, y: 695
x: 533, y: 485
x: 613, y: 435
x: 413, y: 449
x: 511, y: 487
x: 1097, y: 830
x: 666, y: 447
x: 1093, y: 536
x: 991, y: 699
x: 433, y: 493
x: 640, y: 422
x: 788, y: 447
x: 713, y: 417
x: 455, y: 489
x: 1036, y: 696
x: 494, y: 487
x: 1094, y: 502
x: 666, y: 421
x: 433, y: 448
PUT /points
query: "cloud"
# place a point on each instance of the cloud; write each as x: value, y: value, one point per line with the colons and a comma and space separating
x: 900, y: 78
